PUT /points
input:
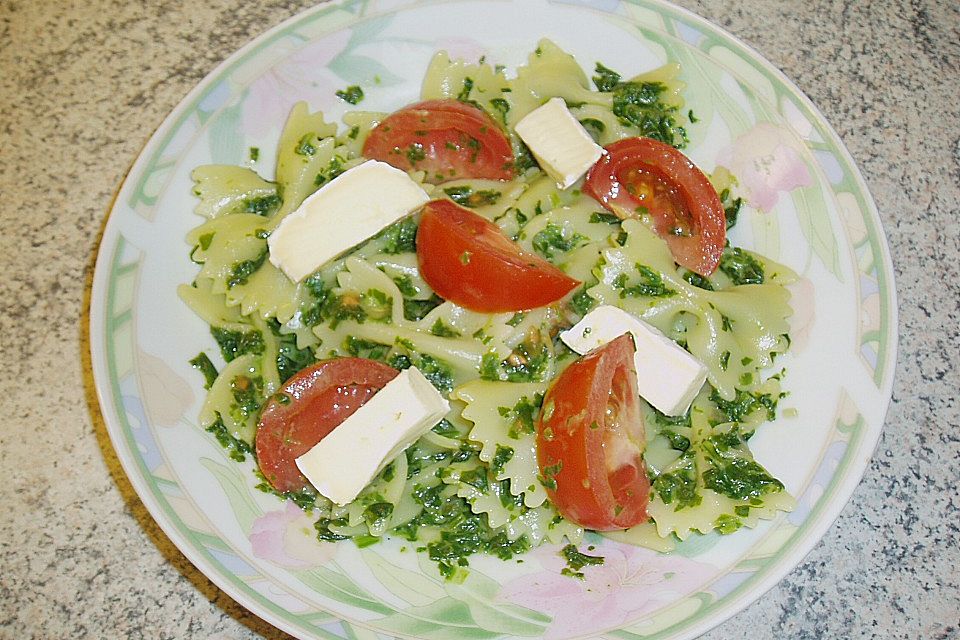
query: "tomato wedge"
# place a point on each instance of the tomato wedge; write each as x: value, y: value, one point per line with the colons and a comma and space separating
x: 308, y: 406
x: 447, y: 139
x: 590, y: 441
x: 641, y: 173
x: 466, y: 259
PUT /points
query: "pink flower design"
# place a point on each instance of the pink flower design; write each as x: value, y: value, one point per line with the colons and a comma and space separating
x: 166, y: 396
x: 461, y: 49
x: 303, y: 75
x: 767, y: 161
x: 630, y: 582
x: 803, y: 301
x: 287, y: 538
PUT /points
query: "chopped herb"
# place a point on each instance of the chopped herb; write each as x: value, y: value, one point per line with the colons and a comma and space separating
x: 352, y: 94
x: 405, y: 285
x: 305, y: 147
x: 254, y: 154
x: 638, y: 104
x: 464, y: 95
x: 523, y: 415
x: 743, y: 404
x: 577, y: 561
x: 581, y: 302
x: 731, y: 207
x: 437, y: 372
x: 290, y: 358
x: 475, y: 147
x: 354, y: 132
x: 598, y: 217
x: 549, y: 476
x: 501, y: 106
x: 490, y: 366
x: 237, y: 343
x: 441, y: 330
x: 517, y: 318
x: 334, y: 169
x: 202, y: 364
x: 446, y: 429
x: 237, y: 449
x: 414, y: 310
x: 741, y: 267
x: 205, y: 240
x: 551, y: 240
x: 242, y: 270
x: 606, y: 79
x: 377, y: 512
x: 523, y: 158
x: 465, y: 196
x: 501, y: 457
x: 476, y: 478
x: 247, y: 396
x: 677, y: 441
x: 324, y: 533
x: 362, y: 348
x: 262, y: 206
x: 679, y: 487
x: 344, y: 307
x: 400, y: 237
x: 739, y: 478
x: 697, y: 280
x: 651, y: 284
x: 415, y: 152
x: 305, y: 499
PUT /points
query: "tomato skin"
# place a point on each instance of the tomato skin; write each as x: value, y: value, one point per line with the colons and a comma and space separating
x: 684, y: 206
x: 468, y: 260
x: 320, y: 397
x: 447, y: 139
x: 591, y: 426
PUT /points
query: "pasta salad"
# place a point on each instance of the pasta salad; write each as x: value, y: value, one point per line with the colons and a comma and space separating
x: 486, y: 289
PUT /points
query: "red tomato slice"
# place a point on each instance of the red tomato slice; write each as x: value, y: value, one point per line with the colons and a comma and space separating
x: 684, y: 206
x: 318, y: 399
x: 447, y: 139
x: 466, y: 259
x: 590, y: 441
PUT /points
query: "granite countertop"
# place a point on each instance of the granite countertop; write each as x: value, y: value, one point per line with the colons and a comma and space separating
x: 82, y: 87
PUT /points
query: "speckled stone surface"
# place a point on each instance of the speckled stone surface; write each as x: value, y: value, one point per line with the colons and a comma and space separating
x: 84, y: 84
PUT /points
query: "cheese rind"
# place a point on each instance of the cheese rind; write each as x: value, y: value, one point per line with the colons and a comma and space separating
x: 668, y: 377
x: 352, y: 455
x: 354, y: 206
x: 559, y: 142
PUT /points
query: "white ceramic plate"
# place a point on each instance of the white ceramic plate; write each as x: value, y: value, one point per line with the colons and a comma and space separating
x: 809, y: 208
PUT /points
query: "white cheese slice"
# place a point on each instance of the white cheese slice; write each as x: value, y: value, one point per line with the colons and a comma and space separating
x: 357, y: 204
x: 559, y: 142
x: 352, y: 455
x: 668, y: 377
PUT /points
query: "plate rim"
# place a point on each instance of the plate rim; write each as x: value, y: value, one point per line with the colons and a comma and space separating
x: 109, y: 249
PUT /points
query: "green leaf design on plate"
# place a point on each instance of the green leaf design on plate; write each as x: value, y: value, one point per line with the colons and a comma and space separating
x: 354, y: 67
x: 226, y: 136
x: 341, y: 588
x: 358, y: 68
x: 445, y: 619
x: 233, y: 485
x: 815, y: 225
x: 411, y: 586
x: 478, y: 592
